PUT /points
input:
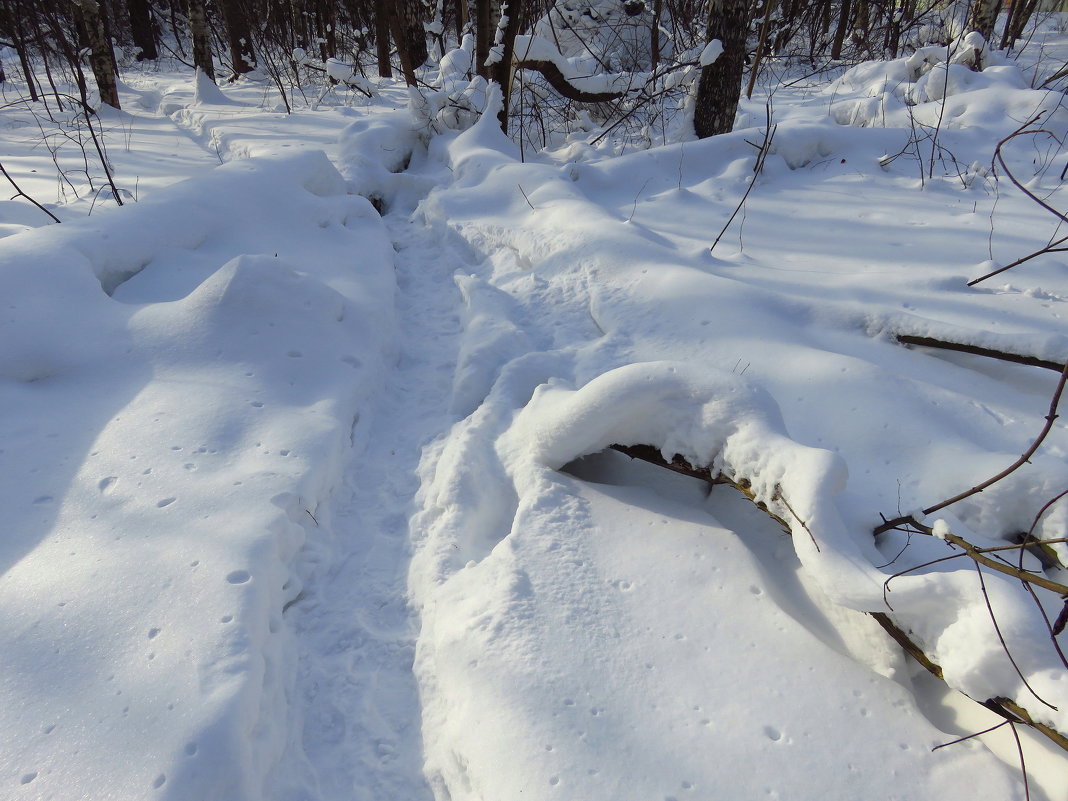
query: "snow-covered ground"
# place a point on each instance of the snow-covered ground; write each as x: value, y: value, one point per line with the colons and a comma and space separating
x: 307, y: 472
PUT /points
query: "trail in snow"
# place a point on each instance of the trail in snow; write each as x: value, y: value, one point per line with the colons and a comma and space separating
x: 357, y: 635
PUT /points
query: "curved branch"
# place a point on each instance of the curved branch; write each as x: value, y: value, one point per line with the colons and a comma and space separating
x: 1051, y: 416
x: 20, y: 193
x: 558, y: 81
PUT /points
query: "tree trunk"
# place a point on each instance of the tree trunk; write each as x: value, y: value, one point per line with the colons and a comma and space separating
x: 461, y: 19
x: 861, y: 25
x: 721, y: 82
x: 840, y: 31
x: 654, y: 36
x: 410, y: 36
x: 983, y: 15
x: 485, y: 25
x: 238, y: 36
x: 201, y: 34
x: 142, y: 30
x: 765, y: 26
x: 1017, y: 21
x: 382, y: 14
x: 27, y: 68
x: 326, y: 19
x: 101, y: 56
x: 501, y: 71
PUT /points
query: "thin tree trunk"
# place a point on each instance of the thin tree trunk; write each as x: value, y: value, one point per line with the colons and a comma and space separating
x: 101, y: 56
x: 326, y: 17
x: 461, y: 19
x: 861, y: 23
x: 27, y: 68
x: 172, y: 20
x: 654, y: 35
x: 405, y: 56
x: 201, y: 35
x: 754, y: 70
x: 238, y: 36
x: 840, y: 31
x: 1017, y: 21
x: 382, y: 15
x: 502, y: 70
x: 983, y: 15
x: 485, y: 24
x: 141, y: 29
x: 721, y: 82
x: 410, y: 35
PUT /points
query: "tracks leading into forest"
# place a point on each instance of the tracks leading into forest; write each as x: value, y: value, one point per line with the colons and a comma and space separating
x: 362, y: 723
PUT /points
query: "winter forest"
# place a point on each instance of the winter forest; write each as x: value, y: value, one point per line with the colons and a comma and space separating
x: 484, y: 400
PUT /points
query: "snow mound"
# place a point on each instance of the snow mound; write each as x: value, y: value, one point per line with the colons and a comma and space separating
x: 774, y: 360
x: 166, y: 450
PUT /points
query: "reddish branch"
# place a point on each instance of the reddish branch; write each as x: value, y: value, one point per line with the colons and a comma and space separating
x: 1051, y: 416
x: 1053, y: 246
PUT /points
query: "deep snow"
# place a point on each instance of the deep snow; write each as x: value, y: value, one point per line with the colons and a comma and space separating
x: 307, y: 501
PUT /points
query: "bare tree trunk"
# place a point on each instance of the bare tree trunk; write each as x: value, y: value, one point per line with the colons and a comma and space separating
x: 101, y: 56
x: 765, y: 25
x: 407, y: 68
x: 410, y: 36
x: 27, y: 68
x: 840, y: 31
x: 238, y: 36
x: 141, y: 29
x: 485, y: 24
x: 461, y: 19
x: 382, y: 15
x: 326, y: 19
x: 1019, y: 16
x: 983, y: 15
x: 721, y: 82
x: 654, y: 36
x: 861, y: 25
x: 201, y: 33
x: 502, y: 70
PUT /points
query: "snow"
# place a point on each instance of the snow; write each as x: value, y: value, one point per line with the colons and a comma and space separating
x: 713, y: 50
x: 175, y: 440
x: 307, y: 458
x: 580, y: 71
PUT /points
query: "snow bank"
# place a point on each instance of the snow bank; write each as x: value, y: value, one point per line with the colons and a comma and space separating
x: 771, y: 361
x: 938, y: 86
x: 165, y: 450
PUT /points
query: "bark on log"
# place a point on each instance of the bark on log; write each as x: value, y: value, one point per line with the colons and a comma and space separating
x: 1005, y: 707
x: 941, y: 344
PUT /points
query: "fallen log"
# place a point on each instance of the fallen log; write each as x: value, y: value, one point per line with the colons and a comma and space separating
x: 960, y: 347
x: 1006, y: 708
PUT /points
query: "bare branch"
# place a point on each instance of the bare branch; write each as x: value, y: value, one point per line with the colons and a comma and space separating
x: 1051, y: 416
x: 960, y: 347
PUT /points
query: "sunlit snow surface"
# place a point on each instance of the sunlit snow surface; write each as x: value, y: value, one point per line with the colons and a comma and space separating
x: 234, y: 410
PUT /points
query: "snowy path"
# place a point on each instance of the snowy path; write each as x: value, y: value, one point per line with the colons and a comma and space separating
x: 362, y: 718
x: 590, y: 629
